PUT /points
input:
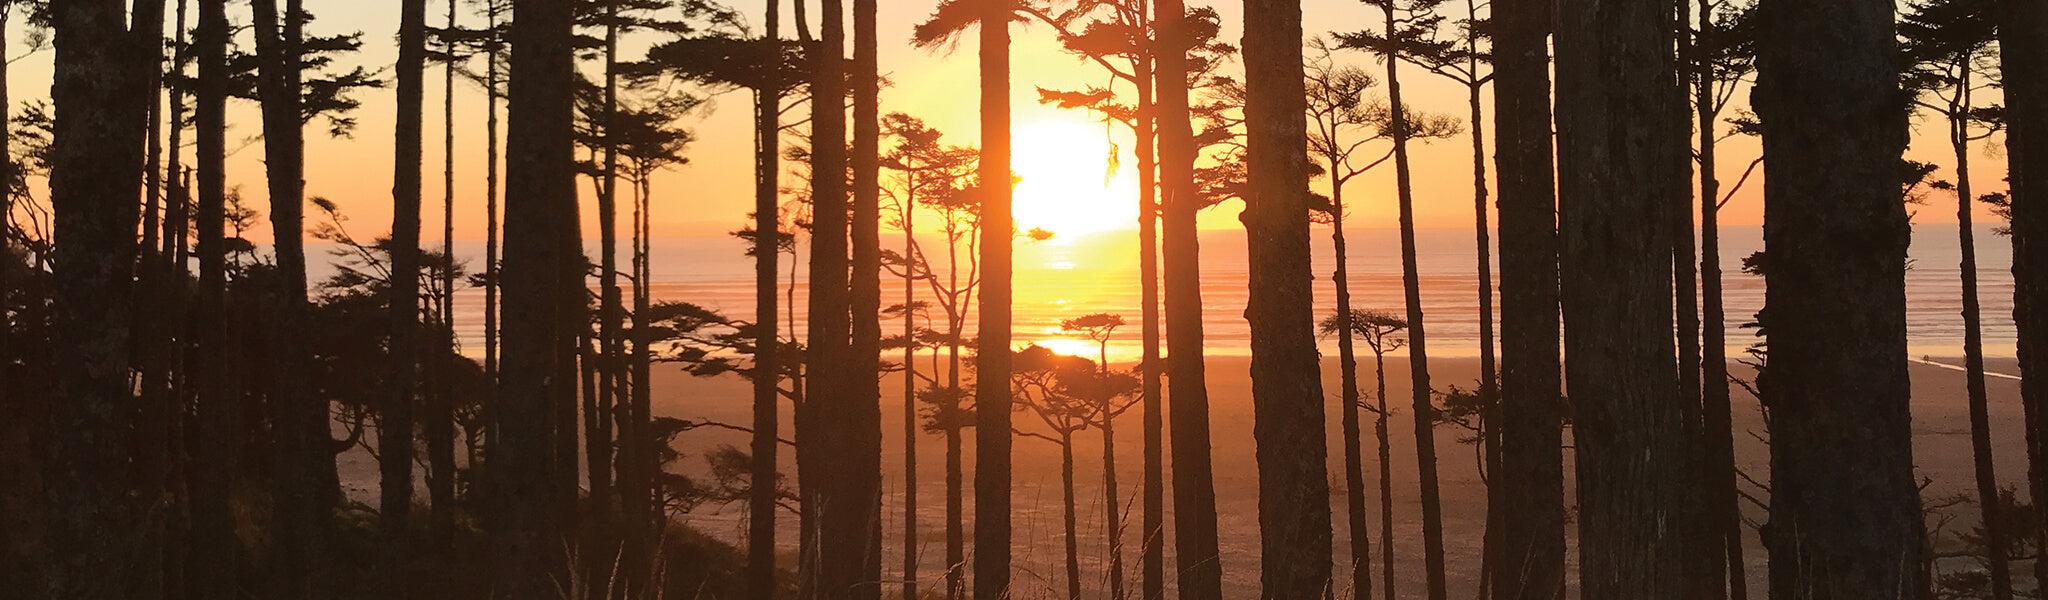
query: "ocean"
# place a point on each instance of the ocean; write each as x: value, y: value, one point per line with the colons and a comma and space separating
x: 1065, y: 277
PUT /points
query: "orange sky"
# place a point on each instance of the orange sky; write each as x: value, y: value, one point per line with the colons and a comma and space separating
x: 1057, y: 149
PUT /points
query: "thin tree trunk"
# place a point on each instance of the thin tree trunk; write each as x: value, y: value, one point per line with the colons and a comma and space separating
x: 2023, y: 55
x: 1973, y: 353
x: 491, y: 274
x: 611, y: 390
x: 1617, y: 146
x: 215, y: 555
x: 910, y: 428
x: 1112, y: 506
x: 1151, y: 548
x: 1531, y: 562
x: 1287, y: 385
x: 1716, y: 415
x: 647, y: 459
x: 764, y: 478
x: 1069, y: 519
x: 1489, y: 379
x: 1386, y: 448
x: 1199, y: 561
x: 1704, y: 555
x: 395, y: 429
x: 96, y: 162
x: 540, y: 182
x: 1845, y: 513
x: 1418, y: 349
x: 1354, y: 436
x: 992, y: 361
x: 440, y: 425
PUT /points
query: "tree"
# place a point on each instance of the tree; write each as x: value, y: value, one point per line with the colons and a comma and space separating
x: 1531, y: 565
x: 762, y: 498
x: 1406, y: 22
x: 539, y: 207
x: 210, y: 485
x: 1287, y: 391
x: 1099, y: 327
x: 1617, y: 147
x: 1844, y: 514
x: 1066, y: 393
x: 864, y: 454
x: 95, y: 170
x: 395, y: 436
x: 2021, y: 52
x: 992, y: 361
x: 1377, y: 329
x: 1947, y: 44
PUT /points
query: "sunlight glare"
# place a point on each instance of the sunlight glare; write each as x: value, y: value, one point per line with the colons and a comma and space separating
x: 1064, y: 182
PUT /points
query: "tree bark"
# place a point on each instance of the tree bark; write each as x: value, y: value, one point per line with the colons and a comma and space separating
x: 395, y: 429
x: 1418, y: 348
x: 992, y: 361
x: 96, y: 171
x: 765, y: 476
x: 212, y: 570
x: 2023, y: 56
x: 1531, y: 561
x: 1152, y: 556
x: 1199, y: 561
x: 540, y: 183
x: 1617, y: 90
x: 863, y: 471
x: 1716, y: 415
x: 1287, y: 388
x: 1845, y: 512
x: 1988, y: 505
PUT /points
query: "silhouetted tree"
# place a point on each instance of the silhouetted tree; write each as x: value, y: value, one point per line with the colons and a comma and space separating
x: 1099, y: 327
x: 1947, y: 45
x: 395, y: 435
x: 1377, y: 329
x: 992, y: 360
x: 1531, y: 562
x: 1844, y: 507
x: 763, y: 472
x: 2023, y: 54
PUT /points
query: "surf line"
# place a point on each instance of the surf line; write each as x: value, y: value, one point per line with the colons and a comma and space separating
x: 1929, y: 361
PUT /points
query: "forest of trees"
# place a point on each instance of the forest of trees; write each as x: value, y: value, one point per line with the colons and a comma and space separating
x: 176, y: 399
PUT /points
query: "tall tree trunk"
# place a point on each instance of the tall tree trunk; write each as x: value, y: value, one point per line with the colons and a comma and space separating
x: 440, y: 425
x: 764, y: 477
x: 647, y: 460
x: 1616, y: 147
x: 863, y: 472
x: 1716, y: 417
x: 1194, y: 490
x: 1287, y: 385
x: 2023, y: 58
x: 992, y: 438
x: 1355, y: 514
x: 1973, y: 354
x: 1386, y: 448
x: 1068, y: 518
x: 1531, y: 561
x: 1489, y: 379
x: 395, y: 429
x: 1845, y: 513
x: 910, y: 425
x: 215, y: 555
x: 1112, y: 506
x: 1152, y: 556
x: 1418, y: 348
x: 301, y: 420
x: 540, y: 182
x: 492, y: 53
x: 610, y: 355
x: 1704, y: 554
x: 96, y: 171
x: 837, y: 523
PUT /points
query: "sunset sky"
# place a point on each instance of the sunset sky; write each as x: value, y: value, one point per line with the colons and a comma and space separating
x: 1065, y: 186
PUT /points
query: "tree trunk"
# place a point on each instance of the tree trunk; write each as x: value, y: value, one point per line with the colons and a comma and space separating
x: 1716, y: 415
x: 1704, y: 554
x: 841, y: 518
x: 1194, y: 489
x: 1616, y: 140
x: 992, y: 361
x: 301, y: 420
x: 1354, y: 436
x: 395, y: 429
x: 1845, y: 512
x: 765, y: 476
x: 1112, y: 507
x: 540, y: 183
x: 215, y: 557
x: 1973, y: 355
x: 96, y: 171
x: 1418, y: 349
x: 1531, y: 561
x: 1386, y: 448
x: 440, y: 425
x: 610, y: 357
x: 910, y: 425
x: 1287, y: 390
x: 863, y: 472
x: 1068, y: 518
x: 2023, y: 56
x: 1489, y: 379
x: 1152, y: 557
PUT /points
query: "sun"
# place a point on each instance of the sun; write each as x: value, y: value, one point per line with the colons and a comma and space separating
x: 1066, y: 183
